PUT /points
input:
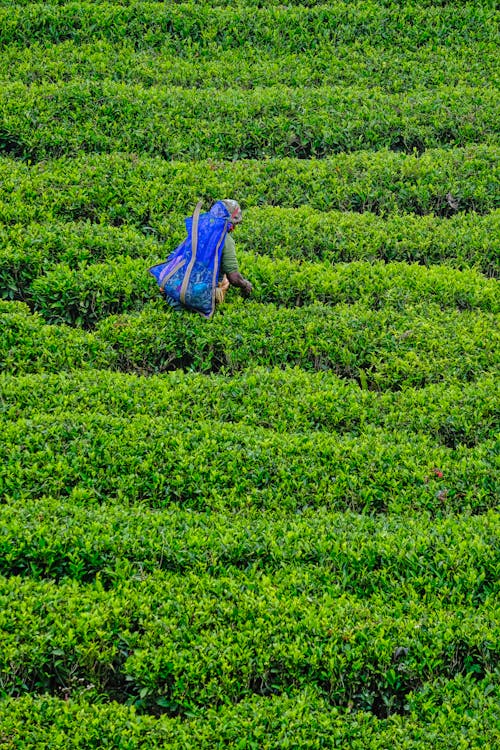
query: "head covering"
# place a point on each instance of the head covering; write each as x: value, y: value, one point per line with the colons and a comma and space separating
x: 234, y: 209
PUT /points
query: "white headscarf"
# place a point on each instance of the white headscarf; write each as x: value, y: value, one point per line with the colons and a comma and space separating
x: 234, y: 209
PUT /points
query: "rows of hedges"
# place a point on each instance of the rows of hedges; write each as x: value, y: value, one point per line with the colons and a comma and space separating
x: 257, y: 3
x: 277, y: 528
x: 454, y: 558
x: 126, y: 189
x: 219, y: 639
x: 87, y: 295
x: 429, y: 65
x: 269, y: 122
x: 384, y: 349
x: 291, y: 400
x: 186, y: 29
x: 463, y: 241
x: 145, y: 459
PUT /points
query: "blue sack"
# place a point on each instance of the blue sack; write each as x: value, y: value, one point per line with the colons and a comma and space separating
x: 190, y: 273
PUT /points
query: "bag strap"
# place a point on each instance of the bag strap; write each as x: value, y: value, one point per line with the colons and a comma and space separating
x: 194, y: 250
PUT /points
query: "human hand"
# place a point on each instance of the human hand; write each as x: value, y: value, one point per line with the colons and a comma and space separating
x: 246, y: 289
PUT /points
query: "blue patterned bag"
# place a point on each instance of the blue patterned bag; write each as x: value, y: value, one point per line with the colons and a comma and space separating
x: 190, y: 273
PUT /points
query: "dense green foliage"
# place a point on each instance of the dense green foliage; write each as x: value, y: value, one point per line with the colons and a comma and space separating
x: 463, y: 241
x: 448, y: 713
x: 278, y: 528
x: 272, y: 121
x: 382, y: 349
x: 125, y: 189
x: 188, y: 27
x: 452, y: 414
x: 429, y: 64
x: 212, y: 466
x: 85, y: 294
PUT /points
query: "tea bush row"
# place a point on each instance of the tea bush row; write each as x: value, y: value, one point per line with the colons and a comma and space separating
x: 122, y: 189
x: 463, y: 241
x: 219, y: 639
x: 256, y: 3
x: 363, y: 65
x: 412, y: 346
x: 454, y: 558
x: 68, y: 118
x: 287, y: 282
x: 86, y: 295
x: 383, y: 349
x: 452, y: 714
x: 193, y: 27
x: 234, y: 466
x: 27, y: 252
x: 291, y: 400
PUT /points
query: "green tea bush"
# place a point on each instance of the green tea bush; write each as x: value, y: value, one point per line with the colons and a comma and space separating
x: 124, y: 189
x: 373, y: 284
x: 29, y: 251
x: 209, y: 465
x: 382, y: 349
x: 269, y: 122
x: 22, y: 335
x: 394, y: 348
x: 86, y: 295
x: 192, y: 27
x: 462, y: 241
x: 367, y: 65
x: 289, y: 400
x: 249, y: 3
x: 253, y: 3
x: 218, y: 639
x: 453, y: 559
x: 466, y: 715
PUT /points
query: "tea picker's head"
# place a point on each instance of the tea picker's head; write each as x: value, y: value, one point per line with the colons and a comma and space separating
x: 236, y: 217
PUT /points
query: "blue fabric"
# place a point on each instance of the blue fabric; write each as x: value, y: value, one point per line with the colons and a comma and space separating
x: 203, y: 271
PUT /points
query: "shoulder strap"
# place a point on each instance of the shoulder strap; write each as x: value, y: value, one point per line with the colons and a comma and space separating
x: 194, y: 250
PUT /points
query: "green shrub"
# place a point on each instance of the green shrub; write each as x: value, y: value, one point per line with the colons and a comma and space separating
x: 383, y: 349
x: 124, y: 189
x: 461, y: 241
x: 190, y: 27
x: 86, y: 295
x: 415, y: 346
x: 218, y: 639
x: 26, y: 343
x: 209, y: 465
x: 273, y: 121
x: 302, y: 234
x: 466, y: 716
x: 451, y: 559
x: 366, y: 64
x: 289, y: 400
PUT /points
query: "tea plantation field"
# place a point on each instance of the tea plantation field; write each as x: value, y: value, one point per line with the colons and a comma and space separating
x: 278, y: 528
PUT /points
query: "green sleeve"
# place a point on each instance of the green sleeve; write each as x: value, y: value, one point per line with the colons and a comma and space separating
x: 228, y: 263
